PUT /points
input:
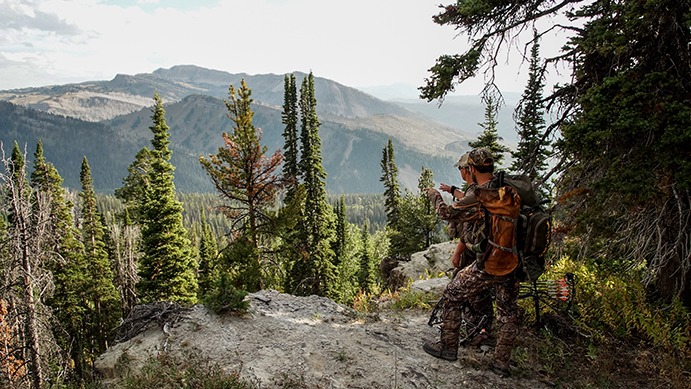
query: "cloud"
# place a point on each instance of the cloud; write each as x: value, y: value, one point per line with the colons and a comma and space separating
x: 24, y: 15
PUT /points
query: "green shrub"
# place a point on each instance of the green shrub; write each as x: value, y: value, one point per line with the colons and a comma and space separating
x: 224, y: 297
x: 618, y: 303
x: 166, y: 371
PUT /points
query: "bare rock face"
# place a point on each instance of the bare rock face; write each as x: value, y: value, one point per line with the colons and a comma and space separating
x: 321, y: 343
x: 423, y: 265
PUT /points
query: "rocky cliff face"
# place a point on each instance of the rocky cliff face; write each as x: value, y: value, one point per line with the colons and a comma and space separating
x: 317, y: 342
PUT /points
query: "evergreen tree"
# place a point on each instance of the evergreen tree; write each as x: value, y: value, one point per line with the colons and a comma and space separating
x: 429, y: 222
x: 530, y: 157
x: 68, y: 265
x: 318, y: 215
x: 290, y: 133
x: 389, y: 178
x: 208, y: 253
x: 247, y: 181
x: 103, y: 312
x: 367, y: 276
x: 341, y: 221
x: 167, y: 269
x: 136, y: 184
x: 489, y: 137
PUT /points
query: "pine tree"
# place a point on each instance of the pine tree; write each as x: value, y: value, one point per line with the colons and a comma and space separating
x: 530, y: 157
x: 317, y: 212
x: 68, y: 265
x: 367, y: 276
x: 290, y: 134
x: 248, y: 182
x: 104, y: 301
x: 427, y: 216
x: 341, y: 221
x: 489, y: 137
x: 136, y: 184
x: 208, y: 253
x: 167, y: 269
x: 389, y: 178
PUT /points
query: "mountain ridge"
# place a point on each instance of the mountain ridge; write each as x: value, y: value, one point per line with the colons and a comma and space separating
x: 355, y: 125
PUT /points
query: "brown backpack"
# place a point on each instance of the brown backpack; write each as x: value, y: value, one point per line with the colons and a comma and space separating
x: 503, y: 206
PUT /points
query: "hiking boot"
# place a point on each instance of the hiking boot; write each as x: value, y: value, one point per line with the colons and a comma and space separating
x: 437, y: 349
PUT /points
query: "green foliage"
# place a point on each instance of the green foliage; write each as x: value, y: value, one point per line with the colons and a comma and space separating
x: 104, y: 311
x: 289, y: 118
x: 167, y: 371
x: 223, y: 296
x: 389, y: 178
x: 316, y: 271
x: 246, y: 180
x: 240, y: 260
x: 619, y: 304
x: 208, y: 257
x: 167, y: 269
x: 409, y: 298
x: 530, y: 157
x: 368, y: 274
x: 489, y: 137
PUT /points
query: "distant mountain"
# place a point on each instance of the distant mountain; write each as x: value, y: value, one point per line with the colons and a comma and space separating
x: 65, y: 142
x: 355, y: 126
x: 466, y: 112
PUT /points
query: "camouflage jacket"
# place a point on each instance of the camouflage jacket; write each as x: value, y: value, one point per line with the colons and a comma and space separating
x: 464, y: 216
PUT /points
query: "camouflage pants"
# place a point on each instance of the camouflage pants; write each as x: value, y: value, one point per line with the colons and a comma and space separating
x: 469, y: 293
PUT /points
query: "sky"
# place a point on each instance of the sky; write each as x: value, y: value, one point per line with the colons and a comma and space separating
x: 358, y: 43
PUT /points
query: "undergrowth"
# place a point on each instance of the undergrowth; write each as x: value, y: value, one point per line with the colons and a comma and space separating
x: 167, y: 371
x: 614, y: 336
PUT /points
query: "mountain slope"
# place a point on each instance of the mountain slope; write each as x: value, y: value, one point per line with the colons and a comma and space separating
x: 355, y: 126
x: 99, y: 143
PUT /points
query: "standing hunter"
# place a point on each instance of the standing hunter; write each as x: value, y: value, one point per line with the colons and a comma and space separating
x: 468, y: 295
x: 465, y: 221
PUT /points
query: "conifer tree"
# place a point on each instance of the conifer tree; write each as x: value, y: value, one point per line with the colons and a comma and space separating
x: 167, y: 269
x: 489, y: 137
x: 104, y: 301
x: 389, y: 178
x: 208, y: 253
x: 68, y: 265
x: 428, y: 217
x: 530, y: 157
x: 318, y: 214
x: 136, y: 184
x: 249, y: 184
x: 290, y: 134
x: 367, y: 276
x: 340, y: 241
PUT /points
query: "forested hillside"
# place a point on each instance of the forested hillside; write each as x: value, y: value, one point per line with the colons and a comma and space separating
x: 354, y: 127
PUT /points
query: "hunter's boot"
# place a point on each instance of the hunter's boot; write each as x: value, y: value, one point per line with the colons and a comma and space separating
x: 447, y: 346
x: 506, y: 337
x: 480, y: 323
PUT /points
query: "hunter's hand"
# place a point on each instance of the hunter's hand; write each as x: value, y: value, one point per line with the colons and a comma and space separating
x: 445, y: 188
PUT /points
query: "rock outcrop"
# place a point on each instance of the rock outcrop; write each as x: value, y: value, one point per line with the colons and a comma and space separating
x: 317, y: 342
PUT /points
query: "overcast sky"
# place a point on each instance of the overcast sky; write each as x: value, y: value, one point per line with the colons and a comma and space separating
x: 358, y: 43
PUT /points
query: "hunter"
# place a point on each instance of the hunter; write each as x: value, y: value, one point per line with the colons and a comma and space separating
x: 466, y: 296
x: 466, y: 222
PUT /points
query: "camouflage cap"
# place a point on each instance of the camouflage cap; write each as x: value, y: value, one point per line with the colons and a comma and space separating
x: 463, y: 161
x: 480, y: 157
